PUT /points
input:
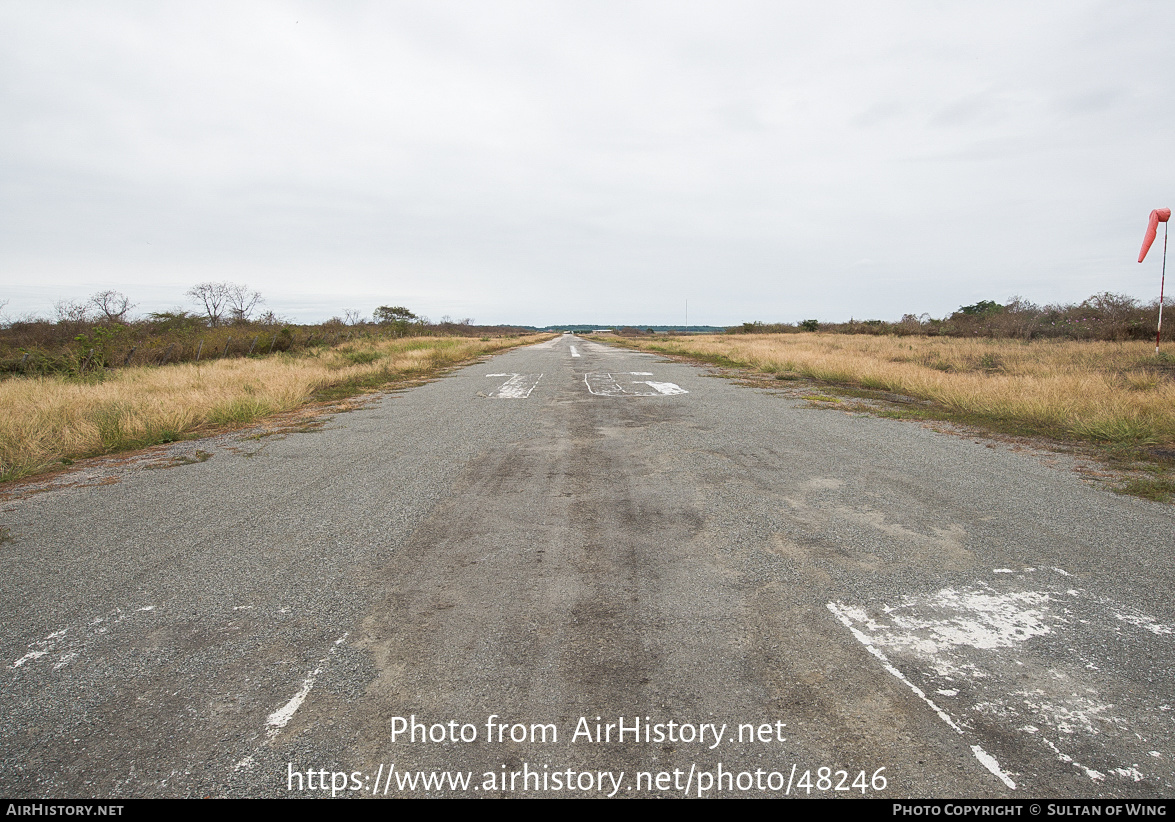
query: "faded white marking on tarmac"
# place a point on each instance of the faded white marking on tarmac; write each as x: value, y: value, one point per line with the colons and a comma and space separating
x: 845, y: 615
x: 282, y: 716
x: 41, y: 647
x: 574, y: 351
x: 1146, y: 622
x: 608, y: 385
x: 75, y: 637
x: 518, y: 387
x: 1023, y: 653
x: 990, y: 763
x: 665, y: 387
x: 1094, y: 775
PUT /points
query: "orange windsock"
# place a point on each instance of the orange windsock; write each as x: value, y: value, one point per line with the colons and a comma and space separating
x: 1159, y: 215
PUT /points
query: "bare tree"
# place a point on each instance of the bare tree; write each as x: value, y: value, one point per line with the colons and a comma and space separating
x: 242, y: 302
x: 113, y: 304
x: 213, y: 298
x: 352, y: 316
x: 71, y: 311
x: 269, y: 318
x: 221, y: 300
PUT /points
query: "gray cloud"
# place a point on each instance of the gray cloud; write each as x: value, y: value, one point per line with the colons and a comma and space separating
x: 532, y: 162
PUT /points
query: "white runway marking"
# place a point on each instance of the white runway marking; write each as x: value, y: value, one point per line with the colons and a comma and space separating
x: 574, y: 351
x: 987, y: 760
x: 607, y: 385
x: 665, y: 387
x: 282, y: 716
x: 518, y: 387
x: 1025, y: 653
x: 74, y: 639
x: 40, y: 648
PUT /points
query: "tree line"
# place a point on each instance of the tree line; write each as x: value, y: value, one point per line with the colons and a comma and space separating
x: 1104, y: 316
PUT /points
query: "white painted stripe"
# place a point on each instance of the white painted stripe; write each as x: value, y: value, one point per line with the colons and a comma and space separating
x: 665, y: 387
x: 28, y: 656
x: 606, y: 385
x: 873, y: 649
x: 514, y: 388
x: 518, y: 387
x: 985, y: 759
x: 988, y: 761
x: 44, y: 646
x: 574, y: 351
x: 282, y: 716
x: 602, y: 385
x: 1094, y: 775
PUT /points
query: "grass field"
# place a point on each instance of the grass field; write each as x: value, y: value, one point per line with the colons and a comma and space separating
x: 45, y: 421
x: 1116, y: 395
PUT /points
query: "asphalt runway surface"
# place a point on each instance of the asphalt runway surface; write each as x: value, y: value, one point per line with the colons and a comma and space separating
x: 580, y: 570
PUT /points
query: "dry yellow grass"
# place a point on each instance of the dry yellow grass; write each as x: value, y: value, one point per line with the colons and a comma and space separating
x: 1093, y: 391
x: 44, y: 420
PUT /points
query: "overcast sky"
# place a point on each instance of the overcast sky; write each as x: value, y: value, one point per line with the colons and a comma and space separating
x: 544, y: 162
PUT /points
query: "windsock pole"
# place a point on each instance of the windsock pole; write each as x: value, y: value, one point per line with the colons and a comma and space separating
x: 1159, y: 215
x: 1162, y: 284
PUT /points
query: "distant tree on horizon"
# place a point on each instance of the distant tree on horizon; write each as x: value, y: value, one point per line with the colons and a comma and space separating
x: 114, y: 305
x: 218, y: 299
x: 392, y: 314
